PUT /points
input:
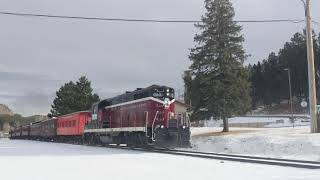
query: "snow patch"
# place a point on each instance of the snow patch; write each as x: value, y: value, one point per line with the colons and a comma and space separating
x: 293, y: 143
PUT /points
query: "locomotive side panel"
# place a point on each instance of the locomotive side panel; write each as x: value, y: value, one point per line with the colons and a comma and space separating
x: 133, y: 114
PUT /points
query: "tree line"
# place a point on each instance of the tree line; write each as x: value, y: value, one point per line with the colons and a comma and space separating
x: 269, y: 78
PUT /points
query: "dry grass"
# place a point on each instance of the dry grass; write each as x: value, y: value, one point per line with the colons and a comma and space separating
x: 234, y: 132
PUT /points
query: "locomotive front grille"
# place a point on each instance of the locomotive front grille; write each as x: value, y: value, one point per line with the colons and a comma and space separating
x: 173, y: 123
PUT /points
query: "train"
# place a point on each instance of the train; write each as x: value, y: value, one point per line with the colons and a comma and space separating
x: 143, y: 117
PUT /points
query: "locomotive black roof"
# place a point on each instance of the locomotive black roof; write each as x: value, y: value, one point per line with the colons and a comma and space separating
x: 139, y: 93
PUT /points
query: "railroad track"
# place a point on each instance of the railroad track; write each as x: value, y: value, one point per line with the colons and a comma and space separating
x: 224, y: 157
x: 230, y: 157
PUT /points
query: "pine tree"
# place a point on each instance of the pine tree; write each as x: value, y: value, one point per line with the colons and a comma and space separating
x: 73, y: 97
x: 257, y: 84
x: 219, y: 80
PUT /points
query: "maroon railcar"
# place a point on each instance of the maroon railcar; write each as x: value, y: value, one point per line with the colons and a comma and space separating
x: 25, y: 131
x: 35, y: 130
x: 15, y: 133
x: 49, y: 129
x: 144, y: 116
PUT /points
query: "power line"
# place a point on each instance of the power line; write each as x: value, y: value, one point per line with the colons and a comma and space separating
x: 140, y: 20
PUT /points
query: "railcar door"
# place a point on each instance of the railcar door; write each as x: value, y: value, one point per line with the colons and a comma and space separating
x: 94, y: 119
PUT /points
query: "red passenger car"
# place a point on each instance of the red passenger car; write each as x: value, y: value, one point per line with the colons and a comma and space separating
x: 73, y: 124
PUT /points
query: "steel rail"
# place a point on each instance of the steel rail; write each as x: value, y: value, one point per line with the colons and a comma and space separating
x: 247, y: 156
x: 229, y: 157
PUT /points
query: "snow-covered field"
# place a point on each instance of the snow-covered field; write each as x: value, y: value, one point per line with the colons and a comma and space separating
x: 268, y: 122
x: 293, y: 143
x: 30, y: 160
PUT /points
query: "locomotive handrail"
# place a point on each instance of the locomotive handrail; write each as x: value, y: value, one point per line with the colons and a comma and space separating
x: 152, y: 129
x: 147, y: 117
x: 188, y: 119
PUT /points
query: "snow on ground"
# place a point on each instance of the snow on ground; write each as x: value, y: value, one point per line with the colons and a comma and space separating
x: 293, y: 143
x: 270, y: 121
x: 30, y: 160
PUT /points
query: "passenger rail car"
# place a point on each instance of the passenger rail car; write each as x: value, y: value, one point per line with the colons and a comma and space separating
x: 70, y: 127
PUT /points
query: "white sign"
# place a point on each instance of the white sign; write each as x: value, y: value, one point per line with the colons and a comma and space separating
x: 304, y: 104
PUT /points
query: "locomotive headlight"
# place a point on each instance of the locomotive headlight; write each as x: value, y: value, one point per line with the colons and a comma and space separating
x: 183, y: 127
x: 168, y: 90
x: 168, y: 94
x: 162, y: 126
x: 166, y: 103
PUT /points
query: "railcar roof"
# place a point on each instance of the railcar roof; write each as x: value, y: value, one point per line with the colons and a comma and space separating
x: 128, y: 96
x: 72, y: 114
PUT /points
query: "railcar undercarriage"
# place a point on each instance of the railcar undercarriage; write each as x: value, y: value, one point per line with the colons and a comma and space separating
x: 163, y: 137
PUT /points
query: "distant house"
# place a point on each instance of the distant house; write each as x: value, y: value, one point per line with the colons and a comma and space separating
x: 181, y: 108
x: 182, y: 112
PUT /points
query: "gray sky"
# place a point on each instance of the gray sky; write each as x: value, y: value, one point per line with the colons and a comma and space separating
x: 39, y: 55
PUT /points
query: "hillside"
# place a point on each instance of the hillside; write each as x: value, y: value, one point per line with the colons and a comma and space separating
x: 8, y: 116
x: 5, y: 110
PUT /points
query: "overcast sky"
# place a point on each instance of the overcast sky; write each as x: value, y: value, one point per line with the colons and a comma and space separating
x: 39, y: 55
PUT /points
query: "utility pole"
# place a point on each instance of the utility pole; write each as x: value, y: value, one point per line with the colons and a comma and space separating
x: 290, y: 92
x: 311, y: 71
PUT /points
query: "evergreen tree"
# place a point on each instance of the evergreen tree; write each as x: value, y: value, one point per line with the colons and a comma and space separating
x: 73, y: 97
x: 187, y: 78
x: 219, y: 85
x: 257, y: 84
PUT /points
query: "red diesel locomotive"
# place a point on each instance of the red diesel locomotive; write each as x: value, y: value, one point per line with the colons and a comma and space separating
x: 142, y: 117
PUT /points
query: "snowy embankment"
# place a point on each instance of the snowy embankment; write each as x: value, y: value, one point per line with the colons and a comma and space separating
x: 30, y: 160
x: 294, y: 143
